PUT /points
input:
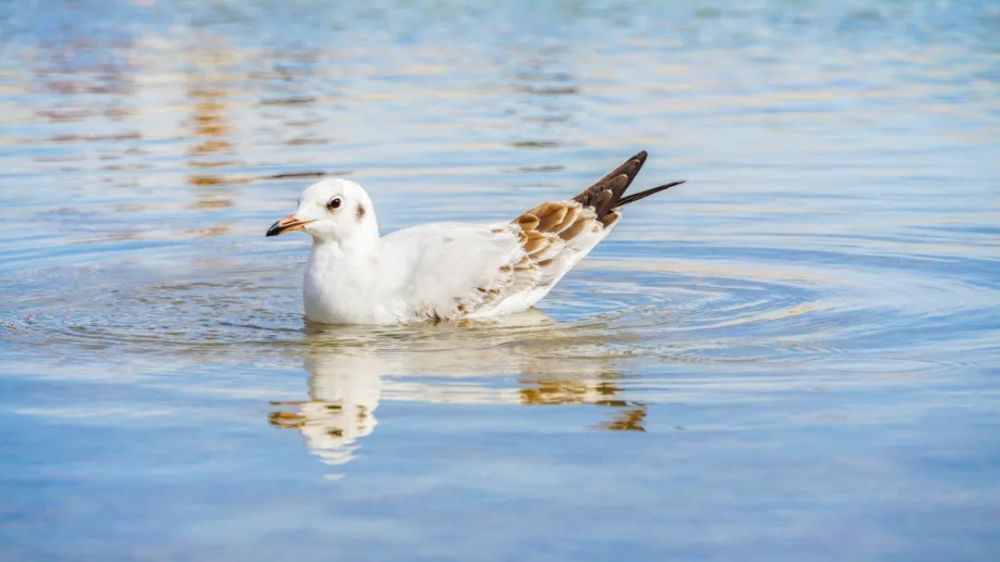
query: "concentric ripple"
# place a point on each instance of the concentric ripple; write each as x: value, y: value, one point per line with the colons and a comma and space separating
x: 637, y: 310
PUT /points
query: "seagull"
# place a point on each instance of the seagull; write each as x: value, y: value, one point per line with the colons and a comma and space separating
x: 445, y: 270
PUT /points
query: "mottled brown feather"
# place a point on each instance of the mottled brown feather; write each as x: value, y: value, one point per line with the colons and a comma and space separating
x: 535, y: 242
x: 571, y: 215
x: 552, y: 219
x: 609, y: 218
x: 575, y: 229
x: 545, y: 209
x: 528, y: 221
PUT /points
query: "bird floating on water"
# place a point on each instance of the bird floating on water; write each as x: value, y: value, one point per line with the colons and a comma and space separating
x: 446, y: 270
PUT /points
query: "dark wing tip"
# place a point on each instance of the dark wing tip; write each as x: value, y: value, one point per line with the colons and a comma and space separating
x: 615, y: 183
x: 646, y: 193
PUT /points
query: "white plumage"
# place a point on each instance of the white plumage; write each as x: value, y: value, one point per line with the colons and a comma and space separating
x: 441, y: 271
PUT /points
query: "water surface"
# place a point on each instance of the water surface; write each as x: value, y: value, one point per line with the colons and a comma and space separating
x: 791, y: 357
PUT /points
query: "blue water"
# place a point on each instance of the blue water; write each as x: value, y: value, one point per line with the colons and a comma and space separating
x: 791, y: 357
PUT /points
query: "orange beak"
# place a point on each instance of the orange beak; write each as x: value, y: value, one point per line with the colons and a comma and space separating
x: 286, y: 224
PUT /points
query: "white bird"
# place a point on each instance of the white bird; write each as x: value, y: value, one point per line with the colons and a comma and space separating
x: 439, y: 271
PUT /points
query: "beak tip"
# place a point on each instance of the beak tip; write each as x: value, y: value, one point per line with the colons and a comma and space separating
x: 286, y: 224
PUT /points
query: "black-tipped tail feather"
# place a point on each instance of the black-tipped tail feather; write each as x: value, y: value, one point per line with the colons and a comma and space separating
x: 607, y: 194
x: 646, y: 193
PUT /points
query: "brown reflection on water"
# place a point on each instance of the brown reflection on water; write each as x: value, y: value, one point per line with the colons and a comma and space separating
x: 352, y: 369
x: 539, y: 390
x: 210, y: 133
x: 210, y: 89
x: 630, y: 417
x: 594, y: 380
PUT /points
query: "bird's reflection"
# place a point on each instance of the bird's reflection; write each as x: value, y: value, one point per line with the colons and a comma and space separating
x: 344, y: 391
x: 351, y: 369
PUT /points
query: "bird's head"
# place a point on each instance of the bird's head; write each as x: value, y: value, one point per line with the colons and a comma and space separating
x: 331, y: 210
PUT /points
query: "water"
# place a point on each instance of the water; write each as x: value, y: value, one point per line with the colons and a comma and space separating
x: 791, y: 357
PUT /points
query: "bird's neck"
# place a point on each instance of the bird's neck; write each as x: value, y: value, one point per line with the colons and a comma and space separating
x: 338, y: 277
x: 358, y: 251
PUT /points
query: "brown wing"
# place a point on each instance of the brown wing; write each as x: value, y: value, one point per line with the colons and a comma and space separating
x: 555, y: 235
x: 549, y: 237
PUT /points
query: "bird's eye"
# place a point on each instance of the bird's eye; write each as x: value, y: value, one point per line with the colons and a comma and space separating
x: 333, y: 204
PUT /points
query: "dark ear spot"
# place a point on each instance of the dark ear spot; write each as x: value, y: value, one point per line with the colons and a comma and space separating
x: 360, y: 212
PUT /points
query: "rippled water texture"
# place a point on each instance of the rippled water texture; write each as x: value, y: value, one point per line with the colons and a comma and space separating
x: 791, y: 357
